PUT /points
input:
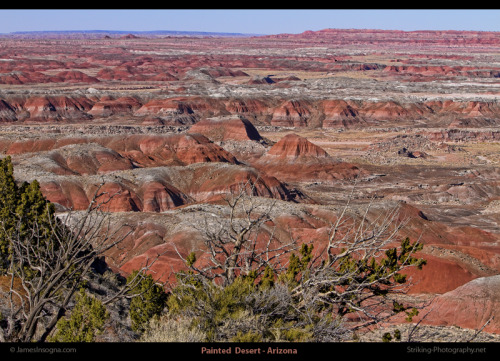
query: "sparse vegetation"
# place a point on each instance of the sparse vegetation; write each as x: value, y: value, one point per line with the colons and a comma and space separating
x: 166, y: 329
x: 46, y: 259
x: 86, y: 321
x: 357, y: 273
x: 148, y: 300
x: 20, y: 208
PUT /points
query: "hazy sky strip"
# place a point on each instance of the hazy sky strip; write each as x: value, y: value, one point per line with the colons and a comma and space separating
x: 253, y: 21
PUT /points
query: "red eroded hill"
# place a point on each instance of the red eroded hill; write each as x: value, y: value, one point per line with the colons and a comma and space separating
x: 159, y: 196
x: 183, y: 106
x: 159, y: 189
x: 149, y: 173
x: 293, y: 147
x: 446, y: 267
x: 176, y: 149
x: 221, y: 129
x: 340, y: 113
x: 294, y: 158
x: 471, y: 305
x: 57, y: 108
x: 107, y: 106
x: 301, y: 113
x: 142, y: 150
x: 75, y: 76
x: 293, y: 113
x: 213, y: 183
x: 118, y: 194
x: 250, y: 107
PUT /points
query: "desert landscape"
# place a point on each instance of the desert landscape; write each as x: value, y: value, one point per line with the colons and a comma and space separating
x: 171, y: 124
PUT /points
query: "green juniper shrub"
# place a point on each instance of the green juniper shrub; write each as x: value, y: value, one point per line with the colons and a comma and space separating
x: 86, y: 321
x: 25, y: 214
x: 149, y: 300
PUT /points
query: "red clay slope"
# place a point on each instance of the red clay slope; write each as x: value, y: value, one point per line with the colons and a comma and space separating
x: 294, y: 158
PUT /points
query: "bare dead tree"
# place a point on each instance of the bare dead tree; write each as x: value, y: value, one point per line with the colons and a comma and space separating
x: 358, y: 272
x: 240, y: 241
x: 352, y: 280
x: 49, y: 266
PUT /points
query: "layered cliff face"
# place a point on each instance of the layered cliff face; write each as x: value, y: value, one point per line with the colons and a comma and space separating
x: 331, y: 113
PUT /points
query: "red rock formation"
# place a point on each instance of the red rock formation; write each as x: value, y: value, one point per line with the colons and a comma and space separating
x: 83, y: 159
x: 251, y: 107
x: 163, y: 76
x: 293, y: 113
x: 217, y: 72
x: 221, y: 129
x: 117, y: 197
x: 339, y: 113
x: 469, y: 306
x: 150, y: 242
x: 108, y: 106
x: 211, y: 183
x: 439, y: 275
x: 66, y: 193
x: 166, y: 107
x: 75, y: 76
x: 97, y: 162
x: 121, y: 72
x: 159, y: 196
x: 186, y: 106
x: 57, y: 108
x: 294, y: 158
x: 15, y: 78
x: 186, y: 149
x: 39, y: 144
x: 383, y: 111
x: 293, y: 146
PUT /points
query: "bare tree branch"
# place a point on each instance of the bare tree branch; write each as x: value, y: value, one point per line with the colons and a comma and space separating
x: 240, y: 242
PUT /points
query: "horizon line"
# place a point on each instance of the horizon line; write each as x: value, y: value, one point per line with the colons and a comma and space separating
x: 126, y: 31
x: 232, y: 33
